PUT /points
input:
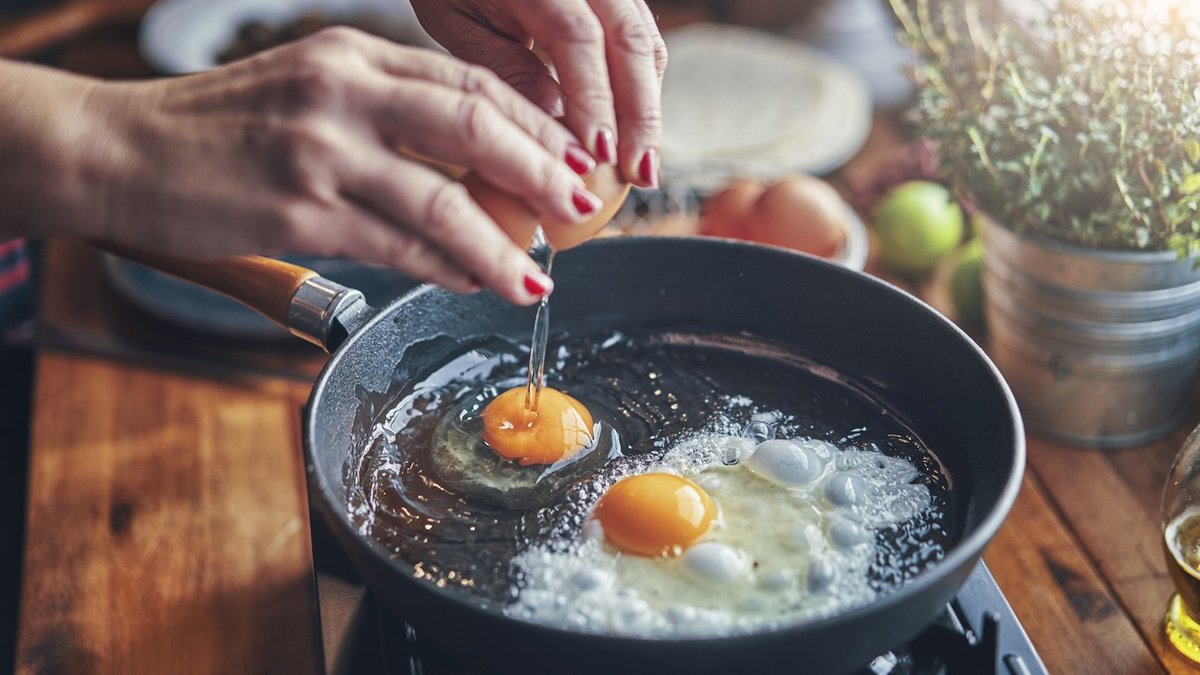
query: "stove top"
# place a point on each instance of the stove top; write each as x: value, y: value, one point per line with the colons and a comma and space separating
x: 976, y: 634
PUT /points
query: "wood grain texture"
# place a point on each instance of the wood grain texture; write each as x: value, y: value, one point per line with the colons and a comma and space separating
x: 1073, y: 620
x: 1111, y: 502
x: 167, y: 525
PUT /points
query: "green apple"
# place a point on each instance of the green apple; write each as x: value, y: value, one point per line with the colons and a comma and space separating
x: 966, y: 283
x: 917, y: 223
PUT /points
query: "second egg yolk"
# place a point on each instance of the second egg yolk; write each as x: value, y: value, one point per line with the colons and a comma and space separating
x: 654, y: 514
x: 559, y: 428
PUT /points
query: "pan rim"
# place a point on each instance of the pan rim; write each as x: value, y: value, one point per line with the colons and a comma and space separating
x: 960, y: 554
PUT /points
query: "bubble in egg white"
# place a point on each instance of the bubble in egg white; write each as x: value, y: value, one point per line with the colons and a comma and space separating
x: 760, y: 430
x: 714, y: 563
x: 778, y: 580
x: 592, y: 579
x: 681, y: 614
x: 900, y: 502
x: 823, y: 449
x: 631, y: 615
x: 846, y: 533
x: 592, y: 531
x: 754, y: 605
x: 786, y: 463
x: 805, y: 538
x: 700, y: 452
x: 877, y: 467
x: 821, y: 573
x: 845, y: 489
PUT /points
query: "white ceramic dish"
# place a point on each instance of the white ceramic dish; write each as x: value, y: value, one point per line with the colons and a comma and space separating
x: 184, y: 36
x: 857, y: 246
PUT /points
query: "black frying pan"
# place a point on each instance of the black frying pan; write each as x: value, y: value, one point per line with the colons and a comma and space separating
x: 916, y: 360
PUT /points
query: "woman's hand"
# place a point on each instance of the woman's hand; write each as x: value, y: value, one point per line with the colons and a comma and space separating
x: 608, y: 54
x: 297, y: 150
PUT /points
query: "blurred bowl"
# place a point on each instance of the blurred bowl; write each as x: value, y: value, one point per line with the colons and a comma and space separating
x: 857, y: 247
x: 186, y: 36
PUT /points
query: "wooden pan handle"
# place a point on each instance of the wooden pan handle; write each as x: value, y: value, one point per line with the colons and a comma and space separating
x: 265, y: 285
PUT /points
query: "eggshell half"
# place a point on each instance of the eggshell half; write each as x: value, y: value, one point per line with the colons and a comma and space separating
x: 519, y: 221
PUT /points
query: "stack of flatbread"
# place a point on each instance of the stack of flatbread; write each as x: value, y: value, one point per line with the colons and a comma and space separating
x: 743, y: 103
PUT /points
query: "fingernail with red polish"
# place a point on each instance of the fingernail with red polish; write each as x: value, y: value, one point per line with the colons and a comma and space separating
x: 538, y: 284
x: 584, y: 201
x: 648, y: 168
x: 579, y: 161
x: 606, y: 147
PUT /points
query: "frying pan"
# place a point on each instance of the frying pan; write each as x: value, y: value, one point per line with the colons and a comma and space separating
x: 924, y: 367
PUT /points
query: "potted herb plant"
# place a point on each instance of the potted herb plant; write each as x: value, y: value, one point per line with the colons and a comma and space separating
x: 1075, y: 130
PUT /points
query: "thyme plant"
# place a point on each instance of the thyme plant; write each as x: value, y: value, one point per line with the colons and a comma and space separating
x: 1079, y: 121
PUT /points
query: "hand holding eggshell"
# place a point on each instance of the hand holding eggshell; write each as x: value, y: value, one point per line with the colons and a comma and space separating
x: 519, y: 221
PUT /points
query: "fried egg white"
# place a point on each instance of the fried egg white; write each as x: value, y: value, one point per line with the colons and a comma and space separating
x: 792, y: 538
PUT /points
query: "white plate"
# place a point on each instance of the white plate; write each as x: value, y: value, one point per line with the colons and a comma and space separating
x: 743, y: 103
x: 184, y: 36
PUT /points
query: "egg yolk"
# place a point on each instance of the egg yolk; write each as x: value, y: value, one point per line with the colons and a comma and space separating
x: 559, y: 428
x: 654, y: 514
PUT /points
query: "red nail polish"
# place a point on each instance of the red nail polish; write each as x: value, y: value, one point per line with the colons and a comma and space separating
x: 535, y: 286
x: 648, y: 168
x: 579, y: 161
x: 606, y: 146
x: 584, y: 201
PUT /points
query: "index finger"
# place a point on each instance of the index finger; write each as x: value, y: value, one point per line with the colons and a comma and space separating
x: 637, y: 57
x: 407, y: 62
x: 574, y: 36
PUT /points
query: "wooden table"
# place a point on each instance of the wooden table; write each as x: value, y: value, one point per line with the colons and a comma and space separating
x: 168, y: 522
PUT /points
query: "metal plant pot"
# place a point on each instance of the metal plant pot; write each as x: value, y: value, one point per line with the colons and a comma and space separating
x: 1101, y: 348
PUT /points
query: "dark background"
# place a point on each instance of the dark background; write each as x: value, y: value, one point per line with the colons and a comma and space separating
x: 16, y: 382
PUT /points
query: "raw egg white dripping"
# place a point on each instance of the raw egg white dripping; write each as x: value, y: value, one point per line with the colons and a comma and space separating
x: 724, y: 536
